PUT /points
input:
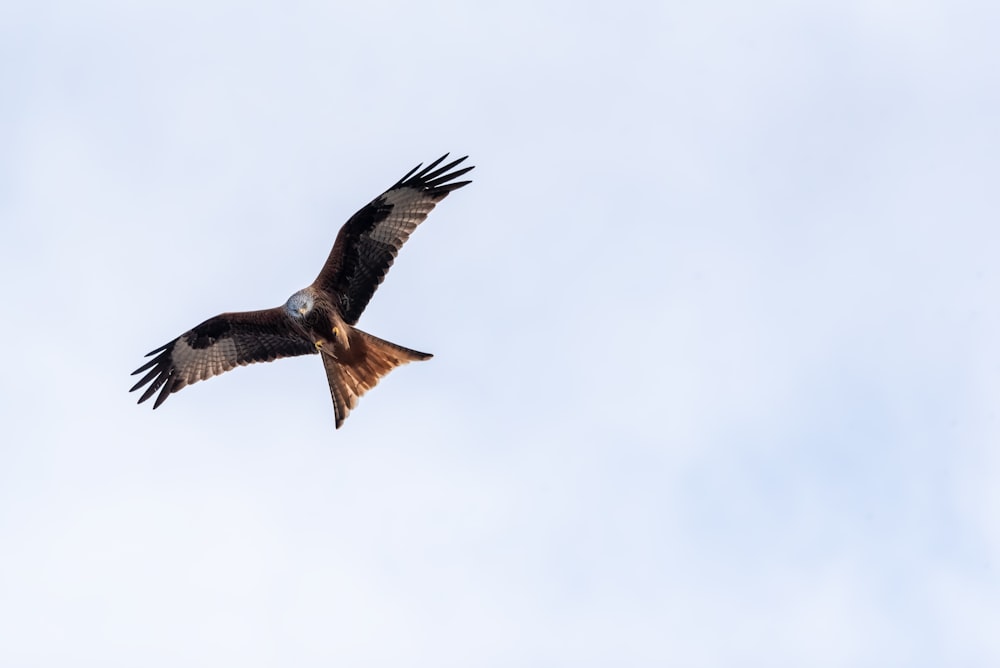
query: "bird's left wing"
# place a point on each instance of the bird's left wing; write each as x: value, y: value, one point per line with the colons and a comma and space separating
x: 367, y: 244
x: 218, y: 345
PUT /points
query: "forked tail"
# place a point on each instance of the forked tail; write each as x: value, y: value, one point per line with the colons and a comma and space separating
x: 359, y: 368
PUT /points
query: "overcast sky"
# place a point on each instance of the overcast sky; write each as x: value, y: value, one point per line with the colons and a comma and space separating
x: 716, y: 334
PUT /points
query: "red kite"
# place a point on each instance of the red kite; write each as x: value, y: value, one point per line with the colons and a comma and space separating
x: 320, y: 318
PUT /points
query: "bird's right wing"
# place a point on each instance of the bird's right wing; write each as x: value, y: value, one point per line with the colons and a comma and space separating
x: 368, y: 243
x: 218, y: 345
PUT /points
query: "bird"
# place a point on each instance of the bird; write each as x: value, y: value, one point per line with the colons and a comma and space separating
x: 321, y: 318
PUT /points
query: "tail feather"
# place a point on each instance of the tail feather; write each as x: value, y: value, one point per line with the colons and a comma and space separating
x: 359, y: 368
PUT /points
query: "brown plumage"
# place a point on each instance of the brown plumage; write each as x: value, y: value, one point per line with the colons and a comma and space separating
x: 321, y: 317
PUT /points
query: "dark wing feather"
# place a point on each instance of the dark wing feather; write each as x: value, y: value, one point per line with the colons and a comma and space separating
x: 368, y: 243
x: 218, y: 345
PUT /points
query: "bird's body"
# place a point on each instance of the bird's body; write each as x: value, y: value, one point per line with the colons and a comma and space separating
x: 321, y: 317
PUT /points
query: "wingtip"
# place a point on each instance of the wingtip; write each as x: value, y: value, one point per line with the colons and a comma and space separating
x: 168, y: 388
x: 160, y: 349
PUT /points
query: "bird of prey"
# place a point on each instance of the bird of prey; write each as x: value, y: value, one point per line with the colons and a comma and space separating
x: 318, y: 319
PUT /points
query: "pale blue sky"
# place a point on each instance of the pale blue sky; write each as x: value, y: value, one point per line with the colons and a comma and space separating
x: 716, y: 335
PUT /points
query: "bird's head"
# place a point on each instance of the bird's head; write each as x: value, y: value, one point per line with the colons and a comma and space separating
x: 300, y: 304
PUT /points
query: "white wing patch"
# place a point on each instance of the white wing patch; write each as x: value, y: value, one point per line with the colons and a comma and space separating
x: 409, y: 208
x: 202, y: 363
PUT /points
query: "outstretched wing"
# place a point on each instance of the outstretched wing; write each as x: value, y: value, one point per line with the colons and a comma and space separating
x: 368, y: 243
x: 218, y: 345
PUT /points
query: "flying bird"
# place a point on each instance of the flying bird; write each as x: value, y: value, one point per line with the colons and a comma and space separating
x: 318, y: 319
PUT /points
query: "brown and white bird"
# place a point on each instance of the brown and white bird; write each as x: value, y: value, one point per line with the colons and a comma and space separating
x: 320, y: 318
